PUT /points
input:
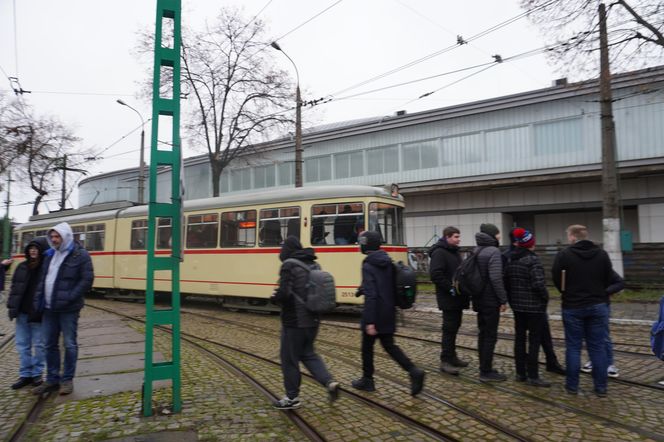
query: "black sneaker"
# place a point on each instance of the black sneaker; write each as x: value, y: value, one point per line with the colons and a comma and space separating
x: 287, y: 403
x: 556, y: 368
x: 22, y: 382
x: 538, y: 382
x: 571, y: 391
x: 37, y: 381
x: 520, y: 378
x: 459, y: 362
x: 449, y: 368
x: 366, y: 384
x: 333, y: 390
x: 492, y: 376
x: 46, y: 387
x: 416, y: 381
x: 600, y: 392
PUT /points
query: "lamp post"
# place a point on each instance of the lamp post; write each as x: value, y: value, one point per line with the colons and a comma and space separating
x: 141, y: 167
x: 298, y: 121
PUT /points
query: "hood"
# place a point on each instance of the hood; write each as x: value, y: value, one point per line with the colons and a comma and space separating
x: 67, y: 237
x: 483, y: 239
x: 519, y: 252
x: 379, y: 258
x: 585, y: 249
x: 290, y: 246
x: 40, y: 243
x: 442, y: 244
x: 304, y: 254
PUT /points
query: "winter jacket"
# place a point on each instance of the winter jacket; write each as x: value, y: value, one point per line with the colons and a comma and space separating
x: 24, y: 284
x: 616, y: 283
x: 444, y: 260
x: 378, y: 289
x: 588, y: 273
x: 524, y: 281
x: 293, y: 281
x: 490, y: 261
x: 74, y: 280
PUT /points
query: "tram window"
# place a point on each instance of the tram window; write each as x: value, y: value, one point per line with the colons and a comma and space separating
x: 79, y: 235
x: 336, y: 223
x: 238, y: 229
x: 164, y: 233
x: 16, y: 245
x: 278, y: 224
x: 39, y: 233
x: 95, y: 234
x: 387, y: 220
x: 139, y: 234
x: 26, y: 238
x: 202, y: 231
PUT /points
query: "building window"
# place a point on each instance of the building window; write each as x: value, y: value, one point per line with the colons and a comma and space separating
x: 139, y: 234
x: 94, y: 237
x: 224, y: 186
x: 318, y: 169
x: 383, y: 160
x: 240, y: 179
x: 164, y: 233
x: 558, y: 137
x: 336, y: 223
x: 347, y: 165
x: 264, y: 176
x: 286, y: 174
x: 387, y: 220
x: 202, y: 231
x: 464, y: 149
x: 421, y: 155
x: 238, y: 229
x: 277, y: 225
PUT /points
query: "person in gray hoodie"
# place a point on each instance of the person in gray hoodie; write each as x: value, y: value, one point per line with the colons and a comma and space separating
x: 67, y: 276
x: 491, y: 302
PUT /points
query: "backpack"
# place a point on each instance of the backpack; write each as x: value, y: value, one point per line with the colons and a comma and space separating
x: 405, y: 285
x: 657, y: 333
x: 321, y: 291
x: 468, y: 278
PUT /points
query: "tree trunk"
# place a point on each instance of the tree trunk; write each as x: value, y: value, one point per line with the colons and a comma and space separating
x: 35, y: 206
x: 215, y: 167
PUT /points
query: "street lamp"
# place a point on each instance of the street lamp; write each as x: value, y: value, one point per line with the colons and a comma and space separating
x: 298, y: 121
x: 141, y: 167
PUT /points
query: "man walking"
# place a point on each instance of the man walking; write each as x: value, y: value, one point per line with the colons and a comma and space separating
x: 492, y: 301
x: 67, y: 277
x: 378, y: 314
x: 581, y: 273
x: 444, y: 260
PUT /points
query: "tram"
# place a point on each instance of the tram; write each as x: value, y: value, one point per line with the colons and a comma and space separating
x: 232, y: 243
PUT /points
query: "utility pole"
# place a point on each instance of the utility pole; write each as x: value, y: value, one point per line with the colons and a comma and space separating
x: 610, y: 195
x: 63, y: 196
x: 6, y: 235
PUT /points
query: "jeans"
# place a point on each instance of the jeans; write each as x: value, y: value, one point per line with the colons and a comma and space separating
x: 297, y: 345
x: 30, y: 347
x: 387, y: 341
x: 487, y: 321
x: 592, y: 324
x: 54, y: 323
x: 451, y: 324
x: 532, y: 325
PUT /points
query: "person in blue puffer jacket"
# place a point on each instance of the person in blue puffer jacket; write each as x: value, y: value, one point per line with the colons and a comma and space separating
x: 67, y: 277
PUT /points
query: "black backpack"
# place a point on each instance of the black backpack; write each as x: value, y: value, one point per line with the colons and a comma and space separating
x: 468, y: 279
x: 405, y: 285
x: 321, y: 290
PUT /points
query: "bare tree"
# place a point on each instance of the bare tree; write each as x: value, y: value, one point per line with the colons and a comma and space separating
x: 635, y: 31
x: 236, y: 96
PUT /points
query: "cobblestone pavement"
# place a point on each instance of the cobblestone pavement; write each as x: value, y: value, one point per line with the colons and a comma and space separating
x: 218, y: 406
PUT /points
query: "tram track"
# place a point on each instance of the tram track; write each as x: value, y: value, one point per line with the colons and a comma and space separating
x: 308, y: 430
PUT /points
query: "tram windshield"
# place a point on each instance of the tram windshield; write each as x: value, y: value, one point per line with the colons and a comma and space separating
x: 387, y: 220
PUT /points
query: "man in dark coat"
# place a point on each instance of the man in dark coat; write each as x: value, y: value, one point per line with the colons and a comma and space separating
x: 491, y: 302
x: 528, y: 297
x: 581, y: 273
x: 4, y: 266
x: 29, y: 339
x: 299, y: 325
x: 444, y: 260
x: 378, y: 315
x: 67, y: 276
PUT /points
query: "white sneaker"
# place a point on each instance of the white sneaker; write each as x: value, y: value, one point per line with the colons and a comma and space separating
x: 612, y: 371
x: 287, y: 404
x: 587, y: 367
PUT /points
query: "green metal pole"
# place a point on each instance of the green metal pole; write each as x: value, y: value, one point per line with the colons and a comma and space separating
x: 6, y: 234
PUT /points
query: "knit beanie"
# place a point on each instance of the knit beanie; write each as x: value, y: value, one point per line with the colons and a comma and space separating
x: 489, y: 229
x: 369, y: 241
x: 524, y: 238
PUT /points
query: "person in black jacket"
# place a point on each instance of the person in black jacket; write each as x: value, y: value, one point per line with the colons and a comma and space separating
x: 491, y: 302
x: 581, y: 273
x: 528, y: 297
x: 299, y: 326
x: 444, y: 260
x: 4, y: 266
x: 29, y: 339
x: 378, y: 315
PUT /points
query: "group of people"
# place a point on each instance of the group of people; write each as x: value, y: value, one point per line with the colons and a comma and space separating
x: 45, y: 299
x: 582, y: 273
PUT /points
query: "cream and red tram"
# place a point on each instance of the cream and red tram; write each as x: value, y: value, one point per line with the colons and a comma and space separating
x: 232, y: 243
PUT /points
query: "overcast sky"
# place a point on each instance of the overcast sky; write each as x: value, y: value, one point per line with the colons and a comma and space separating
x: 77, y: 56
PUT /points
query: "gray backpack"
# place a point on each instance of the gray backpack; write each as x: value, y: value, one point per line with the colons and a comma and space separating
x: 321, y: 291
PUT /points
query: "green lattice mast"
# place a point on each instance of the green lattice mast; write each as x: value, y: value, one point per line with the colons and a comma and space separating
x: 165, y: 106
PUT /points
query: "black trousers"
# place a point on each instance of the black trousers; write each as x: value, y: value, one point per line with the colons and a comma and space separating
x: 528, y: 327
x: 297, y: 345
x: 487, y: 321
x: 387, y: 341
x: 451, y: 325
x: 547, y: 344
